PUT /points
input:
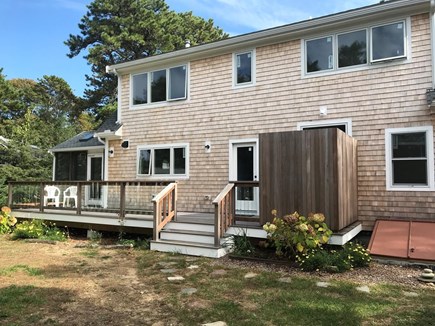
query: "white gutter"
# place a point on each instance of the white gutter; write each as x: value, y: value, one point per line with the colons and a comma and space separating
x: 278, y: 34
x: 432, y: 39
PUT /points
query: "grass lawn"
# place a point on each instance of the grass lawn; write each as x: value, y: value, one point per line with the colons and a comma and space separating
x: 59, y: 284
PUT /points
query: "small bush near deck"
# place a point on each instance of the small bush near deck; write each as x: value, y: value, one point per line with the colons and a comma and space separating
x: 241, y: 245
x: 294, y: 234
x: 7, y: 221
x: 349, y: 256
x: 38, y: 229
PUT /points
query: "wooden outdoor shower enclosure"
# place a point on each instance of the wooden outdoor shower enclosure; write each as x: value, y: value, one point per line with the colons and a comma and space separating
x: 309, y: 171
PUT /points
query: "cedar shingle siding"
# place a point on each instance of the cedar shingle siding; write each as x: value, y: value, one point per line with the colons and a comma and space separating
x: 384, y: 96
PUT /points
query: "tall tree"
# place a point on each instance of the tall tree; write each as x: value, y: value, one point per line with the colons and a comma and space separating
x: 115, y: 31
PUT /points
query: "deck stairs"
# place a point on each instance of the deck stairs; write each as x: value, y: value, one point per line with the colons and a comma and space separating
x: 191, y: 234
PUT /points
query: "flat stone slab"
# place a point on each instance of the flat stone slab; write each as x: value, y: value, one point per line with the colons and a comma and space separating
x: 191, y: 259
x: 193, y: 267
x: 364, y: 288
x: 175, y: 278
x: 250, y: 275
x: 168, y: 270
x: 218, y: 272
x: 410, y: 294
x: 285, y: 280
x: 216, y: 323
x: 188, y: 291
x: 167, y: 264
x: 323, y: 284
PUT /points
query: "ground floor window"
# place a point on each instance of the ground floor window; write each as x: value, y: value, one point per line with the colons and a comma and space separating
x: 163, y: 160
x: 409, y: 158
x: 70, y: 166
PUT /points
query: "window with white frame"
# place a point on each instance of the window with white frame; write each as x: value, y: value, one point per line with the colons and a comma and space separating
x: 244, y: 68
x: 159, y: 86
x: 409, y: 158
x: 349, y: 49
x: 163, y: 160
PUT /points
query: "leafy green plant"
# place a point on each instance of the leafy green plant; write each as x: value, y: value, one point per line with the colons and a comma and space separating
x: 7, y: 221
x: 349, y: 256
x: 295, y: 234
x: 241, y: 245
x: 95, y: 236
x: 38, y: 229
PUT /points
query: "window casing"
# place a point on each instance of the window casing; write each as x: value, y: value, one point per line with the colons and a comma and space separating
x: 356, y: 48
x: 158, y: 86
x: 165, y: 161
x: 409, y: 158
x: 244, y: 68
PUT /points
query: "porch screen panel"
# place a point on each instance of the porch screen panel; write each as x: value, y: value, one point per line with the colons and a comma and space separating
x: 62, y: 166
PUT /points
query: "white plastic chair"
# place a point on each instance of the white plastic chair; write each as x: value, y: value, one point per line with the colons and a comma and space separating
x: 51, y: 195
x: 69, y: 194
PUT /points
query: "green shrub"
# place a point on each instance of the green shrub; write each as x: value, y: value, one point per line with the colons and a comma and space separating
x: 349, y: 256
x: 7, y: 221
x: 241, y: 245
x: 295, y: 234
x: 38, y: 229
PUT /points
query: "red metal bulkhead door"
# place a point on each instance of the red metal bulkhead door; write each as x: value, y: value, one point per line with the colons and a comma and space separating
x: 390, y: 238
x: 422, y: 241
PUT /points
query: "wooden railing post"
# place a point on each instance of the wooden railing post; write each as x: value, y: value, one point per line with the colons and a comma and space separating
x: 122, y: 201
x: 41, y: 197
x: 223, y: 212
x: 10, y: 199
x: 157, y: 213
x: 164, y: 204
x: 79, y: 198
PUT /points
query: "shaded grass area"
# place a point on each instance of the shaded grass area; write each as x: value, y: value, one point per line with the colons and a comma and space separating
x: 31, y: 271
x: 264, y: 300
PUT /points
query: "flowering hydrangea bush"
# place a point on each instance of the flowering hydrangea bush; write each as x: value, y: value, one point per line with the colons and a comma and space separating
x: 7, y: 221
x: 295, y: 234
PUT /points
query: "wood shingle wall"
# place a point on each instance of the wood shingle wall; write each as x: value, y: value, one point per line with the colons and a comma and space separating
x: 387, y: 95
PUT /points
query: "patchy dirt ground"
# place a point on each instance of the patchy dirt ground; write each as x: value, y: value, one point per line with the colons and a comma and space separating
x: 83, y: 286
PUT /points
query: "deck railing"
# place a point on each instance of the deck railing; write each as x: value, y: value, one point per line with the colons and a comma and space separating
x: 238, y: 197
x: 224, y: 212
x: 165, y: 208
x: 75, y: 197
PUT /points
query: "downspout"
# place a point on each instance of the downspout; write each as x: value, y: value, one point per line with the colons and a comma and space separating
x: 106, y: 159
x: 432, y: 39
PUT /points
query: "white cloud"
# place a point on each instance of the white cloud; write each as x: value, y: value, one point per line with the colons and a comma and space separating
x: 251, y: 15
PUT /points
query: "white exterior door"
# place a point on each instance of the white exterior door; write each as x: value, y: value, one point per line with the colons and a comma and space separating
x: 244, y: 167
x: 95, y: 192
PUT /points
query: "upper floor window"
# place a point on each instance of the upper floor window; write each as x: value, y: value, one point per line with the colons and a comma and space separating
x: 163, y: 160
x: 350, y: 49
x: 244, y: 68
x: 409, y: 157
x: 159, y: 85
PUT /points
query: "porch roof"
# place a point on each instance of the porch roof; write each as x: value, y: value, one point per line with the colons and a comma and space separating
x: 82, y: 141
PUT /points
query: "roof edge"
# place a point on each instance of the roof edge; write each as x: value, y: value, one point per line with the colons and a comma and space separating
x: 275, y: 34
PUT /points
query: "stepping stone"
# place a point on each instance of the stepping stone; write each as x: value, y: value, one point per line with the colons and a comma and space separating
x: 364, y: 288
x: 175, y: 278
x: 191, y: 259
x: 285, y: 280
x: 218, y: 272
x: 168, y: 270
x: 250, y: 275
x: 216, y: 323
x: 323, y: 284
x: 188, y: 291
x: 167, y: 264
x: 410, y: 294
x: 193, y: 267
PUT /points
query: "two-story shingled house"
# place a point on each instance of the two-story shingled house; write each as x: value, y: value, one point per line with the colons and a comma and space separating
x: 230, y: 110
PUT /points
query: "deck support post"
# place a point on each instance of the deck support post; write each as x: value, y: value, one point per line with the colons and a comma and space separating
x: 10, y: 195
x: 122, y: 201
x: 41, y: 196
x: 79, y: 198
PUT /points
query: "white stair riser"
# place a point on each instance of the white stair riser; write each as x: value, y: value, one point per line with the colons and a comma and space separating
x: 187, y: 237
x: 189, y: 227
x: 187, y: 250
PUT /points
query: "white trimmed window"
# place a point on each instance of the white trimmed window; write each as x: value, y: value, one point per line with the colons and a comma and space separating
x: 163, y: 160
x: 159, y: 86
x: 356, y: 48
x: 409, y: 158
x: 244, y: 68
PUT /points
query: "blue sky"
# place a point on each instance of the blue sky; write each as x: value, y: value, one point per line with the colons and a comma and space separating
x: 33, y: 31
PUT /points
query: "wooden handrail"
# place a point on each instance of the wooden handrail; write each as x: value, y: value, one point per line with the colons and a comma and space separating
x: 165, y: 208
x: 224, y: 212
